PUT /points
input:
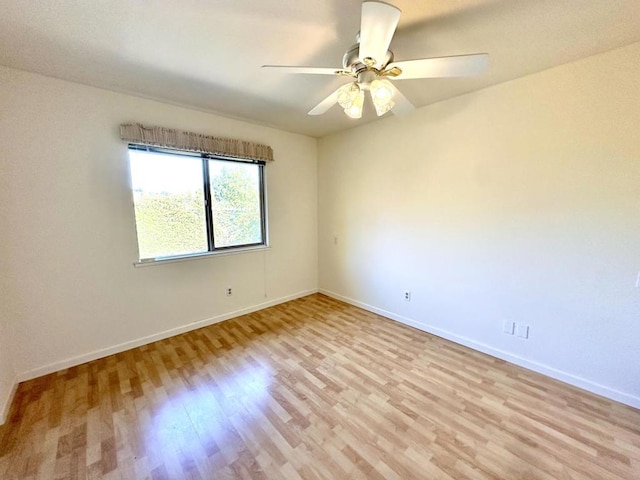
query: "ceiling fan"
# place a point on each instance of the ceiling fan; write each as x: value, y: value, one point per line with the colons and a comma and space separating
x: 372, y: 65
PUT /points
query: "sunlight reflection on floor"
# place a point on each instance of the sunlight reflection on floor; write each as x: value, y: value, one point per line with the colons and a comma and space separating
x: 203, y: 421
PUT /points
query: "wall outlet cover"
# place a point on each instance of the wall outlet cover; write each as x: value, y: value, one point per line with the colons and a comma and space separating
x: 509, y: 327
x: 523, y: 331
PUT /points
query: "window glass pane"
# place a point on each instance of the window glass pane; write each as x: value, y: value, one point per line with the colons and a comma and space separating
x: 235, y: 199
x: 168, y: 195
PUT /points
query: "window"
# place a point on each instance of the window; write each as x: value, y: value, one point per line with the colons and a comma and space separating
x: 189, y: 203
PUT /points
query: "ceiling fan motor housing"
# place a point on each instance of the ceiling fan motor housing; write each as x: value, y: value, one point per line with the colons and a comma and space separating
x: 365, y: 77
x: 352, y: 61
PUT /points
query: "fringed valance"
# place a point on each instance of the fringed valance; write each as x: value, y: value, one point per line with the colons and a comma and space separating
x: 195, y: 142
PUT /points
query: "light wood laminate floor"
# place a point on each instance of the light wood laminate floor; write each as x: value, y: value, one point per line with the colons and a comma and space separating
x: 312, y: 389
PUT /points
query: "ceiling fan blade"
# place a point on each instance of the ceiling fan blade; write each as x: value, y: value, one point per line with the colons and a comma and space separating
x: 311, y: 70
x: 457, y: 66
x: 402, y: 105
x: 325, y: 104
x: 377, y: 26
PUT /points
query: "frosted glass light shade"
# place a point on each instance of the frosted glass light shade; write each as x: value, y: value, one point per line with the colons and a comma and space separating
x: 355, y: 109
x: 381, y: 92
x: 382, y: 109
x: 347, y: 94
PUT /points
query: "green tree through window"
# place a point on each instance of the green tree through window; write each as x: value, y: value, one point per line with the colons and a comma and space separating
x: 171, y: 191
x: 235, y: 191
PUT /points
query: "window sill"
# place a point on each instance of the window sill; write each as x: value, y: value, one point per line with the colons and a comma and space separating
x: 196, y: 256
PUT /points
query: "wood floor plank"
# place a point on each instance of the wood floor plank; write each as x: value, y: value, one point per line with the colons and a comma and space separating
x: 312, y: 389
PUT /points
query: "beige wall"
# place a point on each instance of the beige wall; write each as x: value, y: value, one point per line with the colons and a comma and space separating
x: 520, y: 202
x: 68, y: 230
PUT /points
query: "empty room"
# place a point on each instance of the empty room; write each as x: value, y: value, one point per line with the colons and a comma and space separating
x: 320, y: 239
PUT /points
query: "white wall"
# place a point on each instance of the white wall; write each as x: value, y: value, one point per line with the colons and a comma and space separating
x: 68, y: 227
x: 519, y: 202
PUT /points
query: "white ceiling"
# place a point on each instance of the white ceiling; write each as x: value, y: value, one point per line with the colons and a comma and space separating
x: 207, y: 53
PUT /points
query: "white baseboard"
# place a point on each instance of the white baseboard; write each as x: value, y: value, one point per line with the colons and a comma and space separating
x: 105, y: 352
x: 6, y: 405
x: 565, y: 377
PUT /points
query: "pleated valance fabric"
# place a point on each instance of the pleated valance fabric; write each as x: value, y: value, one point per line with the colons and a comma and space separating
x: 195, y: 142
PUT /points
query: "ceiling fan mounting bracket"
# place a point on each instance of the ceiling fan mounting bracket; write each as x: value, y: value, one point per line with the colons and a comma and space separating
x: 345, y: 73
x: 392, y: 72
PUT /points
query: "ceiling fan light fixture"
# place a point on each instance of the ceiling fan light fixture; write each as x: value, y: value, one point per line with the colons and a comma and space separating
x: 381, y: 92
x: 355, y: 109
x: 381, y: 110
x: 381, y: 96
x: 347, y: 94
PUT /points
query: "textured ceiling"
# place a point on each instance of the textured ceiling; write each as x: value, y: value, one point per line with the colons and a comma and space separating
x: 207, y: 53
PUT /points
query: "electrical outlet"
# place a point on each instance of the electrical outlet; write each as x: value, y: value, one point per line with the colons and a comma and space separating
x: 229, y: 291
x: 407, y: 295
x: 522, y: 331
x: 508, y: 327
